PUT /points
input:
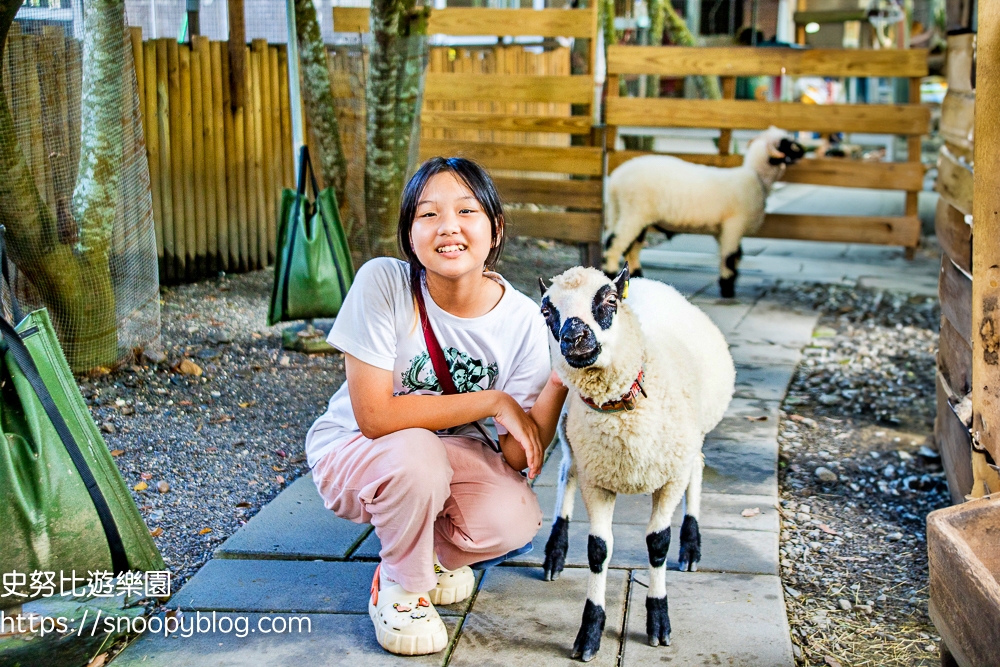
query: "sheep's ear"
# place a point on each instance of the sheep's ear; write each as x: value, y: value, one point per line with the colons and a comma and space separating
x: 621, y: 282
x: 541, y: 286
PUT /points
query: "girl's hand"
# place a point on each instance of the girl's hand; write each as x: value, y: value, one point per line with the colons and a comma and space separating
x: 522, y: 428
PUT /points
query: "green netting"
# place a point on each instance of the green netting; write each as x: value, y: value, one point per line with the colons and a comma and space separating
x: 74, y: 182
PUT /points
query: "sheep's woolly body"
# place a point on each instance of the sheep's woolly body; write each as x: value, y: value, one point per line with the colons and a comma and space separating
x: 689, y: 379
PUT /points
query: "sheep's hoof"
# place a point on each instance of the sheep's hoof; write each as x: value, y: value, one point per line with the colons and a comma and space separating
x: 690, y: 552
x: 727, y: 287
x: 588, y: 639
x: 555, y: 549
x: 657, y: 621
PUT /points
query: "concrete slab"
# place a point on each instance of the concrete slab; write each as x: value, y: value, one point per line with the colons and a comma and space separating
x: 753, y: 352
x: 733, y: 466
x: 718, y: 510
x: 295, y: 525
x: 521, y: 621
x: 333, y: 640
x: 686, y: 282
x: 748, y: 419
x: 716, y: 619
x: 770, y: 322
x: 751, y: 551
x: 766, y: 381
x: 726, y: 313
x: 268, y: 586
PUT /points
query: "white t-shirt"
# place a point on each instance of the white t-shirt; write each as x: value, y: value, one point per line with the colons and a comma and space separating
x: 505, y: 349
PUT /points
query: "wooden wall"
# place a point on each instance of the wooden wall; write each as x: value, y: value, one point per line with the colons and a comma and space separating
x: 216, y: 172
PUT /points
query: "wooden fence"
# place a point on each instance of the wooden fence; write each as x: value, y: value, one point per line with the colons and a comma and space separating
x: 216, y: 172
x: 965, y: 466
x: 524, y: 138
x: 727, y: 114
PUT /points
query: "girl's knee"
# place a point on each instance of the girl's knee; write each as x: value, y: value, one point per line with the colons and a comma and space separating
x: 418, y: 459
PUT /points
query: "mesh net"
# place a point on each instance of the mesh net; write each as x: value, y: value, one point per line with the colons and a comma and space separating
x: 74, y: 183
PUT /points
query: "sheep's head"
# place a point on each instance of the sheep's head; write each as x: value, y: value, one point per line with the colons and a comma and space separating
x: 580, y: 309
x: 770, y: 152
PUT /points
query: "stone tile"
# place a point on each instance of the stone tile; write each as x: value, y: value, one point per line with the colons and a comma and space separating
x: 751, y: 551
x: 766, y: 381
x: 770, y: 322
x: 755, y: 352
x: 726, y: 313
x: 294, y: 525
x: 684, y: 281
x: 334, y: 640
x: 282, y: 586
x: 733, y: 466
x: 718, y: 510
x: 716, y: 619
x: 518, y: 620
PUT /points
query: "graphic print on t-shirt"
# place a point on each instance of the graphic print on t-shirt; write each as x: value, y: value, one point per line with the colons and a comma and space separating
x: 469, y: 374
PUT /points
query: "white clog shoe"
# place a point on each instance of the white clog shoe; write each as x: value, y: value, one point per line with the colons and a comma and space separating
x: 405, y: 623
x: 453, y: 585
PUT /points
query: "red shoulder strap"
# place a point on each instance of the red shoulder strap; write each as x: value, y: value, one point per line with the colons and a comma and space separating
x: 434, y: 348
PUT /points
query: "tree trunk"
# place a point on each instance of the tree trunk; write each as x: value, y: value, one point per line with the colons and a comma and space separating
x: 72, y: 272
x: 395, y: 80
x: 708, y: 86
x: 321, y: 110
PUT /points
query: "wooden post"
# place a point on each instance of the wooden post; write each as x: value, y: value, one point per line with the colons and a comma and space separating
x: 986, y: 240
x: 237, y: 54
x: 913, y: 155
x: 194, y: 20
x: 726, y: 134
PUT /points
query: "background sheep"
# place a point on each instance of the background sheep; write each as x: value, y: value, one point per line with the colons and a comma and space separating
x: 676, y: 196
x: 669, y: 369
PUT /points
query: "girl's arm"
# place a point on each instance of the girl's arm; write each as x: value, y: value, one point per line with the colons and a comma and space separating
x: 380, y: 413
x: 545, y: 414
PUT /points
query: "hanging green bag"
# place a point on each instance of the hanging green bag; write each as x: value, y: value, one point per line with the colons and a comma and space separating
x: 63, y: 504
x: 312, y: 268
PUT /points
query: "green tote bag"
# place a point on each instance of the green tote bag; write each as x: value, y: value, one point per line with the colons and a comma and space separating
x: 63, y: 503
x: 312, y: 268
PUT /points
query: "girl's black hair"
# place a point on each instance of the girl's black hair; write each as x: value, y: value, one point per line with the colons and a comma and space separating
x: 479, y: 183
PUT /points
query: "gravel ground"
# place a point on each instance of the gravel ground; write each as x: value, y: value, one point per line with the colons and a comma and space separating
x: 858, y: 475
x: 859, y: 413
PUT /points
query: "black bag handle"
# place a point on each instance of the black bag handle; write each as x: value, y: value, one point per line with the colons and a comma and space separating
x: 119, y: 559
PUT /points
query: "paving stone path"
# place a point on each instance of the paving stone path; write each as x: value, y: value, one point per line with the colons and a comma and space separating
x: 296, y: 558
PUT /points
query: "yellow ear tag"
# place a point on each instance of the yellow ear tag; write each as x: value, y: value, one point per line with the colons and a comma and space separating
x: 625, y: 291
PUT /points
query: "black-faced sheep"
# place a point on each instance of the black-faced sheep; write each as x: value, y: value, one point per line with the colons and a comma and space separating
x: 648, y: 377
x: 675, y: 196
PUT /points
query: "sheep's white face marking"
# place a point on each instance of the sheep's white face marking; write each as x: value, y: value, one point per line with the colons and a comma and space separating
x: 580, y: 309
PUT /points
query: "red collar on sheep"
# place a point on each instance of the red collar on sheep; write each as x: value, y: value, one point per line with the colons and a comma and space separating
x: 626, y: 402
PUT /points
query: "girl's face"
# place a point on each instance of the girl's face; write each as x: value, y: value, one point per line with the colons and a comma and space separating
x: 451, y: 233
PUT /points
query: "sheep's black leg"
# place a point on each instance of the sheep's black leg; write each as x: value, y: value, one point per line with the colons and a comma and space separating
x: 727, y: 286
x: 690, y: 535
x: 600, y: 508
x: 558, y: 544
x: 665, y: 500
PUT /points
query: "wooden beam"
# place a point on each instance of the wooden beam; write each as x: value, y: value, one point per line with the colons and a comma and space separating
x: 955, y: 181
x: 752, y: 115
x: 574, y: 89
x: 748, y: 61
x: 472, y: 21
x: 955, y: 294
x: 954, y: 444
x: 958, y: 118
x: 955, y: 358
x: 954, y: 234
x: 901, y: 231
x: 582, y: 160
x: 237, y: 54
x: 574, y: 227
x: 467, y: 120
x: 821, y: 171
x: 551, y: 192
x: 986, y: 245
x: 961, y: 49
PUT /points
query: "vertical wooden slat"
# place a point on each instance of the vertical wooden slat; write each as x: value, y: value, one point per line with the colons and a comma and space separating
x: 288, y: 173
x: 204, y: 59
x: 728, y: 93
x: 177, y: 149
x: 28, y: 113
x: 237, y: 54
x: 151, y: 125
x: 262, y: 74
x: 248, y: 210
x: 198, y: 158
x: 274, y: 117
x: 218, y: 132
x: 986, y: 237
x: 258, y: 163
x: 232, y: 170
x: 167, y: 268
x: 187, y: 173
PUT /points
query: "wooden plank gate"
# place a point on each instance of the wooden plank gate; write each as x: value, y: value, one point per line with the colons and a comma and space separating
x: 911, y: 120
x: 524, y: 138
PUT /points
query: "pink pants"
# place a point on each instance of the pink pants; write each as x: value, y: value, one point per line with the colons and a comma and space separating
x: 451, y: 496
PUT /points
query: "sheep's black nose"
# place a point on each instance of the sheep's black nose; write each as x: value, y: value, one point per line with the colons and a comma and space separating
x: 578, y: 343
